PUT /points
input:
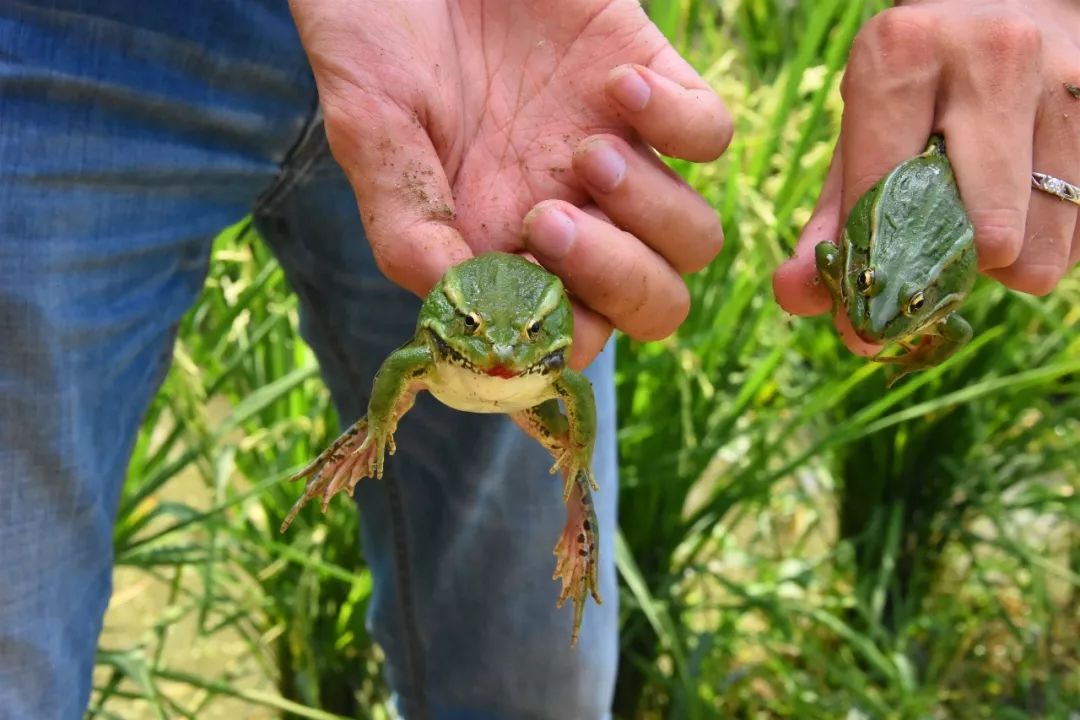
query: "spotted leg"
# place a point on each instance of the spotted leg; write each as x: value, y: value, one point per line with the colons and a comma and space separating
x: 360, y: 451
x: 578, y: 545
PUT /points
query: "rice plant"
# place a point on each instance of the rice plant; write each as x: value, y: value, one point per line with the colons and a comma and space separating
x: 795, y: 539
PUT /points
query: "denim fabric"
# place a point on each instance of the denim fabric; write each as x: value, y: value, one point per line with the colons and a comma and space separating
x: 130, y: 133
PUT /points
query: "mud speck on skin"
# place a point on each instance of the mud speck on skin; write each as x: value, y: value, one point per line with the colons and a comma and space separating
x: 416, y: 182
x: 386, y: 149
x: 1072, y: 90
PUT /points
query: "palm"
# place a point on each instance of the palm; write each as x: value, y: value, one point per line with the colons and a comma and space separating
x: 534, y: 90
x: 504, y: 91
x: 457, y: 122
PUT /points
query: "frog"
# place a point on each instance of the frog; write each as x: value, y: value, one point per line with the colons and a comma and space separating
x: 493, y: 335
x: 905, y: 262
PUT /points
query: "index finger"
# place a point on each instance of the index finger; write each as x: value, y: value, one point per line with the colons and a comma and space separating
x: 889, y: 94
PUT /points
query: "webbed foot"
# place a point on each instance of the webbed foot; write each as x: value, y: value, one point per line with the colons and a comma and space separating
x: 355, y: 455
x: 577, y: 552
x: 576, y: 466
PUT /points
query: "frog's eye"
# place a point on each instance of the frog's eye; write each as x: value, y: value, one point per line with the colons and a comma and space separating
x: 915, y: 303
x: 533, y: 328
x: 472, y: 322
x: 864, y: 281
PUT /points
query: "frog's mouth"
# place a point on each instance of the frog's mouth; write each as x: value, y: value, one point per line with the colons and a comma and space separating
x: 552, y: 362
x: 501, y: 371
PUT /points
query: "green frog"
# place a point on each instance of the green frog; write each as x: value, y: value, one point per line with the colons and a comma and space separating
x: 493, y: 336
x: 905, y: 262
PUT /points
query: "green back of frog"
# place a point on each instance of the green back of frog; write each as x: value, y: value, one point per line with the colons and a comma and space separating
x: 912, y: 234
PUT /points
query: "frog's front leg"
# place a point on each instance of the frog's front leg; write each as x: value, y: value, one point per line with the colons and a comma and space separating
x: 827, y: 260
x: 944, y: 339
x: 359, y: 451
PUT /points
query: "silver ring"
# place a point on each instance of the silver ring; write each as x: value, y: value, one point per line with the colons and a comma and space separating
x: 1056, y: 187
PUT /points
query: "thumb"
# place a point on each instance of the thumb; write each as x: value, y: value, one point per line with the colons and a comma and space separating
x: 401, y: 188
x: 795, y: 283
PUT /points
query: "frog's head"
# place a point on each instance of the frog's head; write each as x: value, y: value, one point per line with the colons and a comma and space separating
x: 909, y: 258
x: 499, y: 315
x: 882, y: 311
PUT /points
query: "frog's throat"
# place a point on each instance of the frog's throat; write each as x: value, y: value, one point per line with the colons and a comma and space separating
x: 553, y: 362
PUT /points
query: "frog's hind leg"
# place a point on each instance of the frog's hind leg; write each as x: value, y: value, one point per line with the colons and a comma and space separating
x: 942, y: 340
x: 578, y: 547
x: 354, y: 456
x: 577, y: 553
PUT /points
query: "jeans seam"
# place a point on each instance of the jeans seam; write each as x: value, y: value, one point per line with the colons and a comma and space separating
x: 300, y: 160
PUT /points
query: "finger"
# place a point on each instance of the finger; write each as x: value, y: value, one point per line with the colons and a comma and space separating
x: 889, y: 91
x: 591, y: 333
x: 608, y: 270
x: 851, y: 339
x: 796, y: 283
x: 1074, y: 256
x: 1051, y: 223
x: 401, y: 187
x: 678, y: 114
x: 641, y: 195
x: 988, y: 116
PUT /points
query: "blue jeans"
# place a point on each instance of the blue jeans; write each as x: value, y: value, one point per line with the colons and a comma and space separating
x: 130, y: 134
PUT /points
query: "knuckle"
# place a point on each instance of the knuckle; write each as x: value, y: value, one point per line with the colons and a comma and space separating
x: 1033, y: 279
x: 723, y: 130
x: 395, y: 260
x: 1008, y: 37
x: 896, y: 29
x: 387, y: 260
x: 340, y: 127
x: 700, y: 134
x: 664, y: 321
x: 640, y: 299
x: 713, y: 135
x: 661, y: 325
x: 627, y: 299
x: 684, y: 229
x: 895, y: 48
x: 999, y: 236
x: 705, y: 241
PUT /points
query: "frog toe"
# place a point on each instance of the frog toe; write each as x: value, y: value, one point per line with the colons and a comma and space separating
x: 352, y: 457
x: 576, y: 551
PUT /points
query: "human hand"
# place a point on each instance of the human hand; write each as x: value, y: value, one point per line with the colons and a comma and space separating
x: 990, y: 75
x: 453, y: 118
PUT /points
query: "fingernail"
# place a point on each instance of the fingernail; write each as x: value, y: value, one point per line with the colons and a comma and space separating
x: 603, y: 166
x: 551, y: 232
x: 630, y: 89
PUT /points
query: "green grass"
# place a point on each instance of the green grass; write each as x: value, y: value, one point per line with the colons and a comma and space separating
x: 796, y: 540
